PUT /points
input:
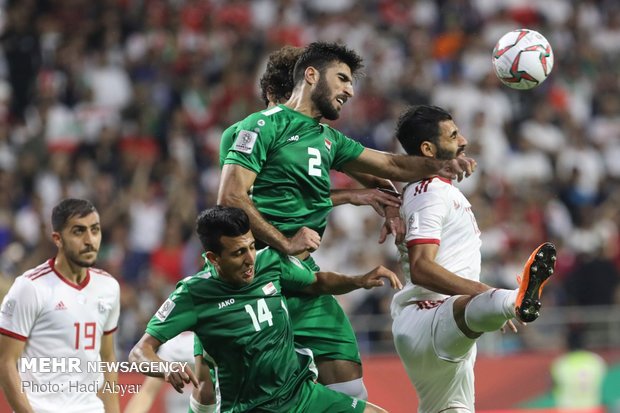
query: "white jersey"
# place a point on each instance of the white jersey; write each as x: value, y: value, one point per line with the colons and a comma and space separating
x: 438, y: 213
x: 61, y: 320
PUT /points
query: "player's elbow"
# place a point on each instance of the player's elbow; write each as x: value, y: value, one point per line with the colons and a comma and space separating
x: 231, y: 196
x: 418, y: 272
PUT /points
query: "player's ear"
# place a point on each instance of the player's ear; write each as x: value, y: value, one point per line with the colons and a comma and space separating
x: 212, y: 257
x: 57, y: 239
x: 311, y: 75
x: 428, y: 149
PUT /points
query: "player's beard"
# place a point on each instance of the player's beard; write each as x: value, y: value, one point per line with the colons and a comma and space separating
x: 446, y: 155
x: 75, y: 259
x: 321, y: 99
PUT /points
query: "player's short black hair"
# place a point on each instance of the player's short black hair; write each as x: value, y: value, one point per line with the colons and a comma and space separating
x: 277, y: 80
x: 219, y: 221
x: 322, y: 54
x: 68, y: 208
x: 418, y: 124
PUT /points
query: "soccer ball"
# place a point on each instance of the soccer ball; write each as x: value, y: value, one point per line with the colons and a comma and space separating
x: 522, y: 59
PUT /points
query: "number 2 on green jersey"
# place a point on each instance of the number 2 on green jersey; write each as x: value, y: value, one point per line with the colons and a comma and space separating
x: 314, y: 162
x: 264, y: 315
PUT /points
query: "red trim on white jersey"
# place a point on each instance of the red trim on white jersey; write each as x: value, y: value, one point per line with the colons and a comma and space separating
x: 39, y: 271
x: 419, y: 241
x: 12, y: 335
x: 110, y: 331
x: 99, y: 271
x: 79, y: 286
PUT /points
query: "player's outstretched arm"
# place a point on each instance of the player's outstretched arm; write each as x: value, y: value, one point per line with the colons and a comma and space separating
x: 425, y: 271
x: 109, y: 398
x: 143, y: 400
x: 335, y: 283
x: 10, y: 381
x: 235, y: 184
x: 408, y: 168
x: 145, y: 353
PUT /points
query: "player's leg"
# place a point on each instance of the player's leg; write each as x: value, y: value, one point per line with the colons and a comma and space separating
x: 316, y: 398
x: 438, y: 357
x: 320, y: 324
x: 490, y: 310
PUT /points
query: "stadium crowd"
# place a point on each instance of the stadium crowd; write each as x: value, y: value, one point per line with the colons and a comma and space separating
x: 123, y: 102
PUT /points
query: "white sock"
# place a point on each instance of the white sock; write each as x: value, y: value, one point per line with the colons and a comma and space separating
x: 196, y: 407
x: 490, y: 310
x: 354, y: 388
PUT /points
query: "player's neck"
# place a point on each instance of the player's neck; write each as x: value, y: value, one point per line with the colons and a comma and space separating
x: 301, y: 102
x: 72, y: 272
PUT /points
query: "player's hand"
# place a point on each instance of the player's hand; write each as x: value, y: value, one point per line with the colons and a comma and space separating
x: 375, y: 198
x: 373, y: 278
x: 458, y: 168
x: 304, y: 240
x: 394, y: 225
x: 178, y: 379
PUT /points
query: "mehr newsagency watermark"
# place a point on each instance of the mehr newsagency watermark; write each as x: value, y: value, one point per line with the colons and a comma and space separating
x: 73, y: 367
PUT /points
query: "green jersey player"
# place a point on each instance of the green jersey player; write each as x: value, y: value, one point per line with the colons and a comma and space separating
x: 236, y: 308
x: 276, y: 87
x: 285, y: 154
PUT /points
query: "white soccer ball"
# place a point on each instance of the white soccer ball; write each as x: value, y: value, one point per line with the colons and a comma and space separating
x: 522, y: 59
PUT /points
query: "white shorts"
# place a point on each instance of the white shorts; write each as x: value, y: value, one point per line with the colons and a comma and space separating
x: 438, y: 357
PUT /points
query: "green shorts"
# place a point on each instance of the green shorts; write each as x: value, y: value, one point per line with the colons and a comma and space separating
x: 320, y: 324
x: 316, y: 398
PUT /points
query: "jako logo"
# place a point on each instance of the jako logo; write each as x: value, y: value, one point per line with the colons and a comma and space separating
x: 226, y: 303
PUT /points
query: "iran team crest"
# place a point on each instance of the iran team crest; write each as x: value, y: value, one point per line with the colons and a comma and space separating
x: 328, y: 144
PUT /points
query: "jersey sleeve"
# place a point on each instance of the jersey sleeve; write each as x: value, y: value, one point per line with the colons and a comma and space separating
x: 424, y: 213
x: 251, y: 142
x: 176, y: 315
x: 295, y: 274
x: 111, y: 323
x: 19, y: 309
x: 198, y: 350
x: 226, y: 142
x: 347, y: 149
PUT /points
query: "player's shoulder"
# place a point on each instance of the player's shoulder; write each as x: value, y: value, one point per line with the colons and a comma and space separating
x: 103, y: 278
x: 37, y: 273
x: 263, y: 117
x: 268, y: 256
x: 427, y: 189
x: 428, y: 186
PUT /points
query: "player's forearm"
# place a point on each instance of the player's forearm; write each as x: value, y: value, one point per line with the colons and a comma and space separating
x: 145, y: 354
x: 108, y: 394
x: 340, y: 196
x: 409, y: 168
x: 11, y: 384
x: 261, y: 229
x: 334, y: 283
x: 371, y: 181
x: 432, y: 276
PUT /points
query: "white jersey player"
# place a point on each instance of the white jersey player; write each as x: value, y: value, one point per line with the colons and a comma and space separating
x: 444, y: 308
x: 57, y: 323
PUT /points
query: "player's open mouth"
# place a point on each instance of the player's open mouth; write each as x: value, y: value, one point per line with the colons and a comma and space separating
x: 249, y: 273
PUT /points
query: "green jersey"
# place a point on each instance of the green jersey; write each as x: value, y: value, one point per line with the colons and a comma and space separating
x: 292, y: 155
x: 245, y: 332
x: 226, y: 142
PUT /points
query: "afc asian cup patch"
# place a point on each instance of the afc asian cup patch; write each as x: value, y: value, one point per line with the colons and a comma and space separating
x: 165, y: 310
x: 245, y: 141
x: 412, y: 224
x: 8, y: 307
